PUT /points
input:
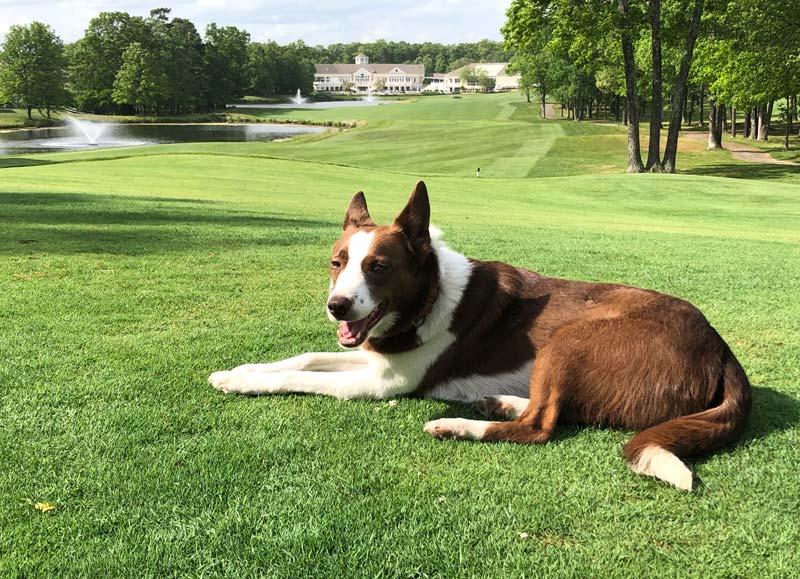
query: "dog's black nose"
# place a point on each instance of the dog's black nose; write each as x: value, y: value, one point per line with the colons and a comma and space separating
x: 339, y: 306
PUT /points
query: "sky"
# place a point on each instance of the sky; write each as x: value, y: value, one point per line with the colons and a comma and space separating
x: 321, y: 22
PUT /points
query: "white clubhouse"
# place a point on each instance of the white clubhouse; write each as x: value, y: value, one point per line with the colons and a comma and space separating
x: 363, y: 77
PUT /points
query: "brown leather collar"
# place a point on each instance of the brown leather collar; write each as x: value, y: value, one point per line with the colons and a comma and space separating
x: 418, y: 320
x: 433, y: 295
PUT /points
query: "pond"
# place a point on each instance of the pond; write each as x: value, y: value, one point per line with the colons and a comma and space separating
x: 83, y: 135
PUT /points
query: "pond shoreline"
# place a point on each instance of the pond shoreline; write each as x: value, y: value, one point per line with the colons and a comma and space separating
x: 266, y: 123
x: 89, y: 135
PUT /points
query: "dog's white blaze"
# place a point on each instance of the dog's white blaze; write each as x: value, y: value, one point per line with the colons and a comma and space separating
x: 351, y: 282
x: 457, y: 428
x: 660, y: 463
x: 474, y: 387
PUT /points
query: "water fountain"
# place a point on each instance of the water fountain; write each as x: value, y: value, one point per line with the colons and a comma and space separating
x: 91, y: 131
x: 298, y: 99
x: 369, y: 98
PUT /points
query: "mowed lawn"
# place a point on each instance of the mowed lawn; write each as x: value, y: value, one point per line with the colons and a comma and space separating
x: 129, y: 275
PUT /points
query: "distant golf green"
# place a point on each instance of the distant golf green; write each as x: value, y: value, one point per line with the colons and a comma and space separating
x: 128, y: 275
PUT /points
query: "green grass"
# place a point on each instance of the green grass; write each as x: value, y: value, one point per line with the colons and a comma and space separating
x: 15, y: 118
x: 129, y: 275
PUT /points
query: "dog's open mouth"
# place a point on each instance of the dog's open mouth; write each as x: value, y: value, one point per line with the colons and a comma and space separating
x: 352, y: 334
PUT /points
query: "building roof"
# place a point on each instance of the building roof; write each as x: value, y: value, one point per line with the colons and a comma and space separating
x: 360, y: 54
x: 373, y: 68
x: 492, y: 68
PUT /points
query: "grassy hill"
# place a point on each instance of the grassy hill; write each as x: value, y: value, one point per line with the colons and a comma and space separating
x: 129, y: 275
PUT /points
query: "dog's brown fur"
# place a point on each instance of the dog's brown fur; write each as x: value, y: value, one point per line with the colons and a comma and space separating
x: 604, y: 354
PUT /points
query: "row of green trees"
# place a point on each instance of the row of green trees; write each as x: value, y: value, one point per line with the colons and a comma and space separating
x: 437, y: 58
x: 161, y: 65
x: 624, y: 57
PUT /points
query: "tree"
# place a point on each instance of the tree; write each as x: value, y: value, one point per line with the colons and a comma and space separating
x: 141, y: 81
x: 484, y: 81
x: 96, y: 58
x: 184, y: 66
x: 537, y: 69
x: 626, y: 28
x: 656, y: 104
x: 33, y: 68
x: 468, y: 77
x: 226, y: 61
x: 263, y: 62
x: 681, y: 85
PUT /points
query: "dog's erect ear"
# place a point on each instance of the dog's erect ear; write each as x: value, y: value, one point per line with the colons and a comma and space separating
x: 357, y: 213
x: 415, y: 219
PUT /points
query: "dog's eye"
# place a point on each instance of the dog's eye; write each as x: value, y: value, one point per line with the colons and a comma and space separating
x: 379, y: 267
x: 335, y: 264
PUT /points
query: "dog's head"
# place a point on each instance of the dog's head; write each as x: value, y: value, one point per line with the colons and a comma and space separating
x: 383, y: 277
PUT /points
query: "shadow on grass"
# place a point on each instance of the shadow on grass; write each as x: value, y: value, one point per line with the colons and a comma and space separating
x: 772, y: 412
x: 751, y: 171
x: 14, y: 161
x: 42, y: 223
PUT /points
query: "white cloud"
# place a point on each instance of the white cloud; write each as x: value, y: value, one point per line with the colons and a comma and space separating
x: 446, y: 21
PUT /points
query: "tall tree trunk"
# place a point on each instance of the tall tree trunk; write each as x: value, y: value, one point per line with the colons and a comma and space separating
x: 691, y: 110
x: 754, y: 129
x: 763, y: 122
x: 656, y: 111
x: 544, y: 103
x: 30, y: 110
x: 680, y: 88
x: 733, y: 122
x: 788, y: 124
x: 635, y: 164
x: 747, y: 121
x: 715, y: 124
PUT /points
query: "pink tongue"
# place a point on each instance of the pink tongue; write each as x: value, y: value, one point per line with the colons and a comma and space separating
x: 349, y: 330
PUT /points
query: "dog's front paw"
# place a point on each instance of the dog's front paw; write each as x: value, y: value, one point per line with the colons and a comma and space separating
x: 456, y: 429
x: 224, y: 381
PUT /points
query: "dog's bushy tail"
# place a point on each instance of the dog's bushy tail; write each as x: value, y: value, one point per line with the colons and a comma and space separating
x: 658, y: 450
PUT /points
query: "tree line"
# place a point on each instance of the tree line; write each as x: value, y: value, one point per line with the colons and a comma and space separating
x: 126, y: 64
x: 668, y: 58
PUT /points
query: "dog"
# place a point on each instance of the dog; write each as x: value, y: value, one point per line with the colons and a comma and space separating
x: 530, y: 351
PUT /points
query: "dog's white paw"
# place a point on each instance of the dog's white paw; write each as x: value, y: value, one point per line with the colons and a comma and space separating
x: 224, y: 381
x: 456, y: 428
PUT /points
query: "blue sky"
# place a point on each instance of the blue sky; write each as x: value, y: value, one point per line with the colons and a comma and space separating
x: 446, y: 21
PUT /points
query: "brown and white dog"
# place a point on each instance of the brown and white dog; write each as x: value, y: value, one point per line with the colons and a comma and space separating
x: 529, y: 349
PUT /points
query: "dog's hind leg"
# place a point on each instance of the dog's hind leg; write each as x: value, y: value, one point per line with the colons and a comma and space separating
x: 535, y: 424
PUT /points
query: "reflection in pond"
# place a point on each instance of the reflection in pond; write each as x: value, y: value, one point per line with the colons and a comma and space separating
x: 123, y: 135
